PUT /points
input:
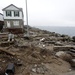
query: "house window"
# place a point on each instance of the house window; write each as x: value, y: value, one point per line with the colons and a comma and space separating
x: 8, y: 24
x: 8, y: 13
x: 16, y: 23
x: 16, y: 13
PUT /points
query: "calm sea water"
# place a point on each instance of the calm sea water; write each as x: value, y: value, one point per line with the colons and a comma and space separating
x: 62, y: 30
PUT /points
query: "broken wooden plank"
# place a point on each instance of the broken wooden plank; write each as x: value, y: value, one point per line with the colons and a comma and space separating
x: 6, y: 43
x: 7, y: 52
x: 3, y: 35
x: 63, y: 48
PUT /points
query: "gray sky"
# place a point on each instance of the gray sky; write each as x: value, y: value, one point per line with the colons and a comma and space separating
x: 46, y: 12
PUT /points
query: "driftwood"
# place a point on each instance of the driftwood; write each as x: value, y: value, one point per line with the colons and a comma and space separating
x: 7, y: 52
x: 5, y: 44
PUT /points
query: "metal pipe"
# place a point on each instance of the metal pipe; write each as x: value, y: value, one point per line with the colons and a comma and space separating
x: 27, y: 19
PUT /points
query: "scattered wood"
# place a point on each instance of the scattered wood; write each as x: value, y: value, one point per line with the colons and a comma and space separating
x: 7, y: 52
x: 6, y: 43
x: 3, y: 35
x: 63, y: 48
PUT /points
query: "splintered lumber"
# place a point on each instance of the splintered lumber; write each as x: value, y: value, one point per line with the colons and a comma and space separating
x: 7, y: 52
x: 4, y: 44
x: 3, y: 35
x: 63, y: 48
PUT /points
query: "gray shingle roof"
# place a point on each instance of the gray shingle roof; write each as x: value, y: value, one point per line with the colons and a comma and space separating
x: 12, y: 5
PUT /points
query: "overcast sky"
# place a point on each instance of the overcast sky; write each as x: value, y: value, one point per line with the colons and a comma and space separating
x: 46, y: 12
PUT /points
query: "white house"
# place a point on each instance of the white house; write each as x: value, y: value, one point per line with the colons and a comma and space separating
x: 13, y: 18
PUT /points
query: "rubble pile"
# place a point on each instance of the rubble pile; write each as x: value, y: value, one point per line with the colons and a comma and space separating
x: 37, y: 58
x: 38, y: 55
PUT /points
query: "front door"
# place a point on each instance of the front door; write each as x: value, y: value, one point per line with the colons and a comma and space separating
x: 8, y: 24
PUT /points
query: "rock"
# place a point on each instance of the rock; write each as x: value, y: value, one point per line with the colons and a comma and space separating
x: 72, y: 62
x: 35, y: 65
x: 63, y: 55
x: 40, y: 69
x: 3, y: 61
x: 34, y: 70
x: 59, y: 53
x: 58, y: 43
x: 44, y: 56
x: 70, y: 70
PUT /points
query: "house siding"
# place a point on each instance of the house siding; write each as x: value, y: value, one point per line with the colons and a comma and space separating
x: 11, y: 23
x: 13, y: 17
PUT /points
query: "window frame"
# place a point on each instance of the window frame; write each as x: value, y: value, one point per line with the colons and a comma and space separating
x: 16, y: 14
x: 16, y: 23
x: 8, y: 13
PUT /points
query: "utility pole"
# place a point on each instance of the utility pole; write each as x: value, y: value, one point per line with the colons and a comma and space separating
x: 27, y: 18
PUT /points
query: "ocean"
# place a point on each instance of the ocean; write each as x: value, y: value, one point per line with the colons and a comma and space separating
x: 61, y: 30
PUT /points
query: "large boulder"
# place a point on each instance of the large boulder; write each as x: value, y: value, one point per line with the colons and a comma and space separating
x: 63, y: 55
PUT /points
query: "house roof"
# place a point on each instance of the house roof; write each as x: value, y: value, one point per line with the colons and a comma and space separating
x: 12, y: 5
